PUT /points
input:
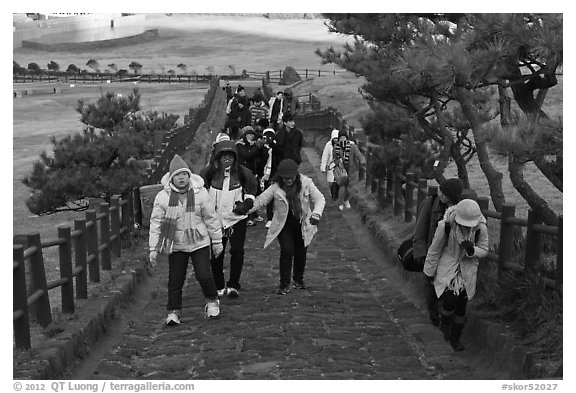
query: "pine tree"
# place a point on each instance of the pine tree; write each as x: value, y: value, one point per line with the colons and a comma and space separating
x: 106, y: 158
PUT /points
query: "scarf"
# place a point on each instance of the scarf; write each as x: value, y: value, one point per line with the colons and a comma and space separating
x: 168, y: 225
x: 457, y: 283
x: 293, y: 197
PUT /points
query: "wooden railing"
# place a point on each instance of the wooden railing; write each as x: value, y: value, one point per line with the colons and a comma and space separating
x: 83, y: 252
x: 91, y: 245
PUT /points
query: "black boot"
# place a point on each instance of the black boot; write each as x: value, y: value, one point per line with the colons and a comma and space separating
x: 445, y: 322
x: 455, y: 333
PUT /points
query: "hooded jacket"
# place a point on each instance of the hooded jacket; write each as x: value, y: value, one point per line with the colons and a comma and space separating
x: 327, y: 164
x: 227, y: 186
x: 445, y: 257
x: 312, y: 202
x: 205, y: 221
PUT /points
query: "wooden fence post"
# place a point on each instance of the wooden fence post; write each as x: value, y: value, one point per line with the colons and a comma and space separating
x: 421, y: 195
x: 80, y: 258
x: 559, y: 253
x: 382, y: 197
x: 115, y: 225
x: 484, y: 203
x: 21, y: 325
x: 65, y: 255
x: 505, y: 247
x: 105, y: 236
x: 409, y: 198
x: 532, y: 250
x: 92, y: 241
x: 390, y: 179
x: 38, y: 279
x: 397, y: 191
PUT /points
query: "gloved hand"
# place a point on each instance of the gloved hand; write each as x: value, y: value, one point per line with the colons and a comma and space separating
x: 314, y: 219
x: 217, y: 249
x: 243, y: 207
x: 468, y: 246
x: 153, y: 257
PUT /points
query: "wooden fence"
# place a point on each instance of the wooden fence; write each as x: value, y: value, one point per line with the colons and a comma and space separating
x: 96, y: 77
x: 404, y: 193
x: 91, y: 245
x: 83, y: 252
x: 106, y: 78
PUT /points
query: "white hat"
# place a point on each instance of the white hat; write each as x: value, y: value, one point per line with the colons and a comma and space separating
x: 334, y: 134
x: 467, y: 213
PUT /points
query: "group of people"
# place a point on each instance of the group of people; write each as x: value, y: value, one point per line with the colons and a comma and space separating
x: 196, y: 216
x: 242, y: 111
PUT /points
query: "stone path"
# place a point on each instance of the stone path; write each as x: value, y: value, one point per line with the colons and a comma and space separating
x: 353, y: 322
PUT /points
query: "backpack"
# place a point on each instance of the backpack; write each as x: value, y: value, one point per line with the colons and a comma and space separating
x: 406, y: 249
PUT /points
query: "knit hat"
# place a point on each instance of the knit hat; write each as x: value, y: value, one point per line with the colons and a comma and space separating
x: 335, y: 134
x: 221, y: 137
x: 287, y: 117
x: 342, y: 133
x: 225, y: 146
x: 177, y: 165
x: 248, y: 130
x: 269, y: 132
x: 287, y: 168
x: 452, y: 188
x: 467, y: 213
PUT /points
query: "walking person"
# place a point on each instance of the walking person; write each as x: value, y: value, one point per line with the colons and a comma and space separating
x: 347, y: 152
x: 231, y: 187
x: 452, y: 264
x: 184, y: 224
x: 238, y: 112
x: 270, y: 166
x: 289, y: 140
x: 431, y: 211
x: 276, y: 105
x: 251, y: 153
x: 327, y: 164
x: 298, y: 207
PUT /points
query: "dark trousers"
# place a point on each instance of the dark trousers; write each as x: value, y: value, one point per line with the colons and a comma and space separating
x: 334, y: 190
x: 178, y: 266
x: 431, y: 299
x: 292, y: 251
x: 236, y: 241
x: 453, y: 304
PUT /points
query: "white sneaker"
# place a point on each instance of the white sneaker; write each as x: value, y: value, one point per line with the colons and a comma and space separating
x: 268, y: 223
x: 341, y: 207
x: 173, y: 318
x: 259, y: 219
x: 347, y: 205
x: 222, y: 292
x: 212, y: 309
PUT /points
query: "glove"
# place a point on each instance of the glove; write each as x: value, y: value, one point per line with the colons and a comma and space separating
x: 153, y: 258
x: 243, y: 207
x: 468, y: 246
x: 314, y: 219
x: 217, y: 249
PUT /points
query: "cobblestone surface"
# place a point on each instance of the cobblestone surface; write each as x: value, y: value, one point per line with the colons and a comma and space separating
x: 353, y: 322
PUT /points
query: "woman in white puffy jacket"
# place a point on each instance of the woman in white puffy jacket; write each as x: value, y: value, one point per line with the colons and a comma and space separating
x: 184, y: 224
x: 327, y: 164
x: 461, y: 238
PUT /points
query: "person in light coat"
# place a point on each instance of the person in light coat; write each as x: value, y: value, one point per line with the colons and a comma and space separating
x: 327, y: 164
x: 452, y: 264
x: 298, y: 207
x: 184, y: 224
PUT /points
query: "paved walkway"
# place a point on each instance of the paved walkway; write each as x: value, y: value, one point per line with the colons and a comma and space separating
x: 353, y: 322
